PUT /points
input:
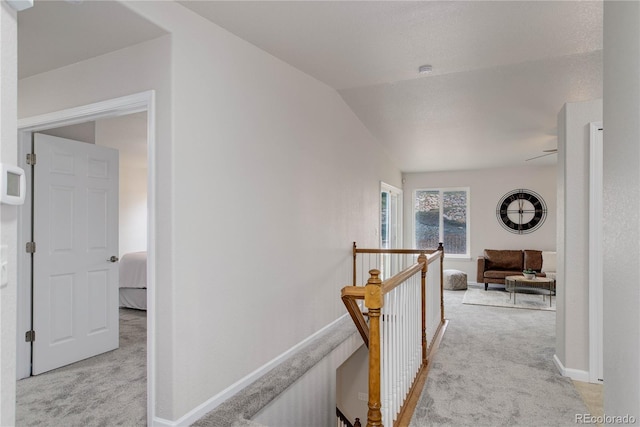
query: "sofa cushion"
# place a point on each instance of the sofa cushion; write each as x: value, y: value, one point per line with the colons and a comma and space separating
x: 533, y: 260
x: 503, y: 260
x: 501, y: 274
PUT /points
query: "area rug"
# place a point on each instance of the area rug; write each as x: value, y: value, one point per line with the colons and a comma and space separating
x: 501, y: 298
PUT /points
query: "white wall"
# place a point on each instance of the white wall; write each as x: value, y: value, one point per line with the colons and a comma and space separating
x: 128, y: 134
x: 8, y: 214
x: 352, y: 385
x: 487, y: 186
x: 622, y: 208
x: 572, y: 288
x: 274, y: 178
x: 268, y: 177
x: 85, y: 132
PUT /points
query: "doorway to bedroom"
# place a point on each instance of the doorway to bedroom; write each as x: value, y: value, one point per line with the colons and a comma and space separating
x: 112, y: 384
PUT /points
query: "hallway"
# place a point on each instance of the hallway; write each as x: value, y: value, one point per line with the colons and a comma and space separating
x: 495, y: 367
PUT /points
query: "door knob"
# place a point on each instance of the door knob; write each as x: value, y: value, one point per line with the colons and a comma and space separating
x: 113, y: 259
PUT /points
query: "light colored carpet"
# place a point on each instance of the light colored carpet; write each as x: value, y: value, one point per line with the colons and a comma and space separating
x: 105, y: 390
x: 501, y: 298
x: 495, y: 367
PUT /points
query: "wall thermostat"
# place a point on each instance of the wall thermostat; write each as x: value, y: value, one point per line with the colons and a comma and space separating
x: 13, y: 185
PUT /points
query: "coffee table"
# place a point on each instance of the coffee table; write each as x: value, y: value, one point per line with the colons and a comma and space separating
x: 515, y: 283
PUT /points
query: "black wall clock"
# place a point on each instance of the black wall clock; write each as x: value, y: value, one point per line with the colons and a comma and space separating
x: 521, y: 211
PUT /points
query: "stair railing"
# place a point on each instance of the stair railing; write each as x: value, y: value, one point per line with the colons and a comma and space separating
x: 405, y: 315
x: 389, y: 261
x: 343, y: 421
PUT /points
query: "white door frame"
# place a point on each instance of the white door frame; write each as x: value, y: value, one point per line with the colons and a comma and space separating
x: 596, y: 264
x: 139, y: 102
x: 384, y: 187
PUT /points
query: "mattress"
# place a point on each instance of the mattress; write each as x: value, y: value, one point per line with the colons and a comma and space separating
x: 133, y: 298
x: 133, y: 280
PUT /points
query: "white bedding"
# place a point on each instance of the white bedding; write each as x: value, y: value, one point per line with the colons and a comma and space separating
x: 133, y: 270
x: 133, y: 280
x: 133, y: 298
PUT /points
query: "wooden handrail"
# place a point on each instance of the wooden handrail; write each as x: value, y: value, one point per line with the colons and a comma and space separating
x: 349, y: 296
x: 356, y: 251
x: 398, y: 279
x: 396, y: 251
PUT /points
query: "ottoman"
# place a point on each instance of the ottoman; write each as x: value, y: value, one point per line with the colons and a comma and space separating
x: 455, y: 280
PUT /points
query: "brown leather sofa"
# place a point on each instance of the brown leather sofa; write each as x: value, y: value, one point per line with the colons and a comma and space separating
x: 495, y: 265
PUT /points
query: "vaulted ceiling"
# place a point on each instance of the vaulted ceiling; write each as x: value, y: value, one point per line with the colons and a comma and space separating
x: 501, y: 70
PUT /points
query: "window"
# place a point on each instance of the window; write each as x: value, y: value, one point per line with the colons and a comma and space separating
x: 441, y: 216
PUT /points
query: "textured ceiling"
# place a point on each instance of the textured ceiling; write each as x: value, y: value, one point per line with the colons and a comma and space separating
x: 501, y: 70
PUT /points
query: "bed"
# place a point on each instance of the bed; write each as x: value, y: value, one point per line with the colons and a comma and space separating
x: 133, y: 280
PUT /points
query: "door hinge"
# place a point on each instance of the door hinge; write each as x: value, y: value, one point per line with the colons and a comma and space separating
x: 31, y: 247
x: 31, y: 159
x: 30, y: 336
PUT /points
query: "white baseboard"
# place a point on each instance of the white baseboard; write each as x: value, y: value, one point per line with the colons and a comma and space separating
x: 574, y: 374
x: 161, y: 422
x: 215, y: 401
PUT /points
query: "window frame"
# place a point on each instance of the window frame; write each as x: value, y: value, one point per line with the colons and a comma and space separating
x: 441, y: 191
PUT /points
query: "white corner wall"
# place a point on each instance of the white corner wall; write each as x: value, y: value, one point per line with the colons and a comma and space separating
x: 622, y: 208
x: 8, y: 214
x: 487, y: 186
x: 572, y: 315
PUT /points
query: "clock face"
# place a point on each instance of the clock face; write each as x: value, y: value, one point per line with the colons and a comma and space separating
x: 521, y: 211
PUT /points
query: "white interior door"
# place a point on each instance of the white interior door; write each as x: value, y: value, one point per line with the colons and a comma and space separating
x: 75, y: 288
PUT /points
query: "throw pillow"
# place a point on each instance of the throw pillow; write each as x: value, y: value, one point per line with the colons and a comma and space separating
x: 548, y: 261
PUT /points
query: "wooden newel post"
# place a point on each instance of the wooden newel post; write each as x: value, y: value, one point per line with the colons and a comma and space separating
x: 373, y: 301
x: 423, y: 293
